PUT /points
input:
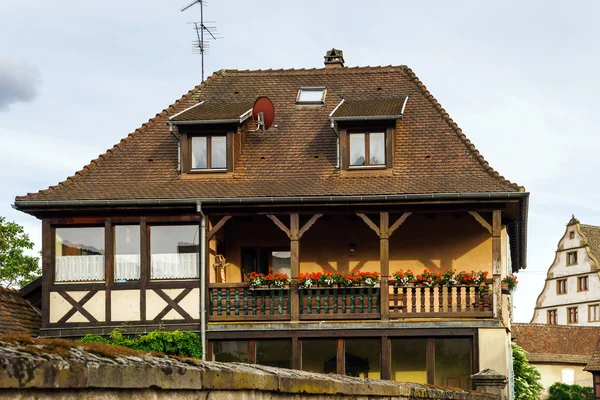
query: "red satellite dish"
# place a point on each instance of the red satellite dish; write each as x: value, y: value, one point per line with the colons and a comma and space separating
x: 263, y: 113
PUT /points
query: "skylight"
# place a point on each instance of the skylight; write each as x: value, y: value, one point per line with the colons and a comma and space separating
x: 311, y: 95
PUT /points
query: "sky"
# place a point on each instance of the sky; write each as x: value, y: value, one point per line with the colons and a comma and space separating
x: 520, y: 79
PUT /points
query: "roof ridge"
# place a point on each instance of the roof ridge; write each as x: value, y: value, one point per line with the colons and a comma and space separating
x: 461, y: 135
x: 539, y: 324
x: 375, y: 68
x: 109, y: 152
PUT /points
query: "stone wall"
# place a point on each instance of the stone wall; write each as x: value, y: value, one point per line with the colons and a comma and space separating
x: 58, y: 369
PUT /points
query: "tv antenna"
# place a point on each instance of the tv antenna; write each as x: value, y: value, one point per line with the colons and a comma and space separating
x: 201, y: 45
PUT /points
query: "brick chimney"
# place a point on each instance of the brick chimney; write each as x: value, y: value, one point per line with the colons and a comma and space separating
x: 334, y: 58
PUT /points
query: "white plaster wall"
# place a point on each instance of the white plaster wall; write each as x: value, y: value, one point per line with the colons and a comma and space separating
x: 59, y: 306
x: 125, y: 305
x: 550, y: 299
x: 493, y: 350
x: 552, y: 373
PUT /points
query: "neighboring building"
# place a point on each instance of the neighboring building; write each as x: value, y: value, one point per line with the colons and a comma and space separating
x: 559, y: 352
x: 17, y: 315
x: 363, y: 168
x: 594, y: 368
x: 571, y: 294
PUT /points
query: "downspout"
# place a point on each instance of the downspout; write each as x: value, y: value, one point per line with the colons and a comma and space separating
x: 202, y: 266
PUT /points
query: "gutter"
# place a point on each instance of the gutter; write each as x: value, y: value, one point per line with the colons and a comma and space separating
x: 208, y: 121
x: 20, y: 205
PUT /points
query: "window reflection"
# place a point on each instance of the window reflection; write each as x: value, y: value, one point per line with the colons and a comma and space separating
x: 453, y: 363
x: 275, y: 353
x: 377, y: 148
x: 79, y: 254
x: 127, y: 253
x: 319, y: 355
x: 174, y: 252
x: 363, y: 358
x: 230, y: 351
x: 357, y: 149
x: 409, y: 360
x: 199, y: 151
x: 218, y: 152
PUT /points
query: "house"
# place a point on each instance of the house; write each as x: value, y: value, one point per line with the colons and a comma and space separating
x: 593, y: 367
x: 571, y: 294
x: 559, y: 352
x: 17, y: 315
x: 361, y: 171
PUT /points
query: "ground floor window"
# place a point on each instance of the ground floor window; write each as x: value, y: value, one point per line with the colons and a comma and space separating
x: 442, y: 361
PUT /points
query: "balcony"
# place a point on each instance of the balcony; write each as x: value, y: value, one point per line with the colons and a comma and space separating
x: 233, y: 302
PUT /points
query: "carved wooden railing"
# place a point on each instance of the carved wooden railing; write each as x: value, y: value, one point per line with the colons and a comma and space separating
x: 240, y: 302
x: 448, y: 301
x: 339, y: 303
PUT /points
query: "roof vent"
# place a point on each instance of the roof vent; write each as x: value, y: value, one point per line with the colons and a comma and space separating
x: 334, y: 58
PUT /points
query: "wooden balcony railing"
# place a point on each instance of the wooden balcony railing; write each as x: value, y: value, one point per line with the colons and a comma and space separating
x: 339, y: 303
x: 454, y: 301
x: 239, y: 302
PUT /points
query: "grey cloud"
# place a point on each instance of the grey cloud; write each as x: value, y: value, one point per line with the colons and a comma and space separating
x: 19, y: 82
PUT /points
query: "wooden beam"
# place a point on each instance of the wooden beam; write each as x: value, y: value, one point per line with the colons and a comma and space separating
x: 173, y: 304
x: 109, y: 267
x: 384, y: 258
x: 218, y: 226
x: 144, y: 265
x: 309, y: 224
x: 497, y: 262
x: 386, y: 364
x: 399, y: 222
x: 481, y: 220
x: 78, y: 306
x: 369, y: 222
x: 294, y: 264
x: 280, y: 224
x: 47, y: 269
x: 340, y: 357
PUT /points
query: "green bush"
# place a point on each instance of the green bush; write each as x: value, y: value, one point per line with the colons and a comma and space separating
x: 562, y: 391
x: 527, y: 377
x: 172, y: 343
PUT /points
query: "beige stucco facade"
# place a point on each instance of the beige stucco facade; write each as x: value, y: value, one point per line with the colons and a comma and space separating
x: 552, y: 373
x: 573, y: 241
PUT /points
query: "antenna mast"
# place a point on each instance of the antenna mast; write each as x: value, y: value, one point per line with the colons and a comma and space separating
x: 200, y: 46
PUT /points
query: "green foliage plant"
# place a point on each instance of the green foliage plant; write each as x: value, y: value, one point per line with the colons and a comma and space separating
x: 174, y: 343
x: 16, y: 268
x: 562, y: 391
x: 527, y: 377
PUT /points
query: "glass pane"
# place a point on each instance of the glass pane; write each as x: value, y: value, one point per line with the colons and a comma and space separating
x: 319, y: 355
x: 174, y: 252
x: 230, y: 351
x: 453, y: 363
x: 377, y: 148
x: 275, y: 353
x: 310, y: 96
x: 357, y: 149
x: 127, y: 253
x: 282, y: 262
x: 218, y: 152
x: 409, y: 360
x: 363, y: 358
x: 79, y: 254
x: 199, y: 152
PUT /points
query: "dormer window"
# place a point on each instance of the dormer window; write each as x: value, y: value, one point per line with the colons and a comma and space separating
x: 209, y: 152
x: 367, y: 149
x: 311, y: 95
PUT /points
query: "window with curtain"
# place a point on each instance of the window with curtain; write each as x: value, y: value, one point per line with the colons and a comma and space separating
x: 127, y: 253
x: 209, y: 152
x: 79, y: 254
x: 174, y: 251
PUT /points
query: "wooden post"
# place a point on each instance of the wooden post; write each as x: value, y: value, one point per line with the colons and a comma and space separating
x: 144, y: 264
x: 340, y: 357
x: 296, y: 351
x: 497, y: 262
x: 384, y: 254
x: 109, y: 267
x: 47, y: 269
x: 295, y: 265
x: 386, y: 365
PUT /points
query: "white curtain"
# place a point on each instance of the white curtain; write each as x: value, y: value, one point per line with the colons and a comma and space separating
x: 127, y: 267
x: 174, y: 266
x: 79, y: 268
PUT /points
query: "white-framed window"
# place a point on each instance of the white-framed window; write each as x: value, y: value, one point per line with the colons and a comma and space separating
x: 367, y: 149
x: 311, y: 95
x: 594, y: 312
x: 127, y: 253
x: 209, y: 152
x: 567, y: 376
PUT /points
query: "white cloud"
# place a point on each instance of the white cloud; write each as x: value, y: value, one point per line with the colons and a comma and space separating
x: 19, y: 82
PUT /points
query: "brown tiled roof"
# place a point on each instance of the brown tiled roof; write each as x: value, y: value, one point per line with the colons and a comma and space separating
x: 592, y: 233
x: 297, y: 156
x: 17, y: 315
x: 556, y: 343
x: 594, y: 362
x: 374, y: 107
x: 214, y: 111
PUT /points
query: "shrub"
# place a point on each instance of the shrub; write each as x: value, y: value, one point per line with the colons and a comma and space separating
x: 172, y: 343
x: 527, y: 377
x: 562, y: 391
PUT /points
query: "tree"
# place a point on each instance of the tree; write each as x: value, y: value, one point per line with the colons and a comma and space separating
x: 16, y: 268
x: 527, y: 377
x: 561, y: 391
